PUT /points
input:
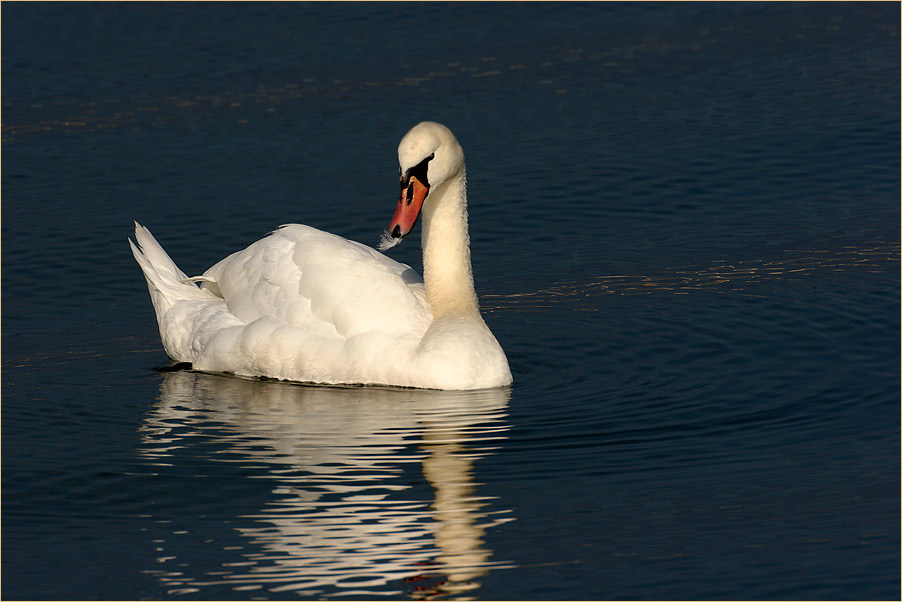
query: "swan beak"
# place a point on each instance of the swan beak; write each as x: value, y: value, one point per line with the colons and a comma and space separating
x: 409, y: 206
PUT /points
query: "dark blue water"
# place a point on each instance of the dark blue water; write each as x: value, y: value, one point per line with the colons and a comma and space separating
x: 685, y: 230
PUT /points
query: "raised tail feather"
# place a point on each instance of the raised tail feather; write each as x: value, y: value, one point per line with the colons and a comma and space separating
x: 187, y: 314
x: 165, y: 281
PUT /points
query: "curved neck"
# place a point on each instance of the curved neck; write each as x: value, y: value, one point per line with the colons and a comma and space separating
x: 447, y: 272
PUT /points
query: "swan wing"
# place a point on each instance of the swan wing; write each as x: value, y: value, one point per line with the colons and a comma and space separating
x: 309, y: 279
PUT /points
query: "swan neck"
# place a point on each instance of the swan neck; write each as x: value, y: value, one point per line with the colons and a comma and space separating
x: 447, y: 270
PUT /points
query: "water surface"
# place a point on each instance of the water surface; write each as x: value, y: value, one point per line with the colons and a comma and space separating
x: 685, y: 234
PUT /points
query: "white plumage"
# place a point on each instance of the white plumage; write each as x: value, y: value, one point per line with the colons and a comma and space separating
x: 305, y: 305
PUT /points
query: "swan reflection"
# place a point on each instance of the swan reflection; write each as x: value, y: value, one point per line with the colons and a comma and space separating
x: 348, y: 511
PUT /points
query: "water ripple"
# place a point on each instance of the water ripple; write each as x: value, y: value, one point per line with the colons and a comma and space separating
x: 722, y: 276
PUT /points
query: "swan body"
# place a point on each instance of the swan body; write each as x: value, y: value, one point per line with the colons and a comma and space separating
x: 309, y: 306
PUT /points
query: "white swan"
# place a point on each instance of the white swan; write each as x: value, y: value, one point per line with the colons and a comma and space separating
x: 305, y: 305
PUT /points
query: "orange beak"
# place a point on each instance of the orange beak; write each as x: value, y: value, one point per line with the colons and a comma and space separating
x: 409, y: 205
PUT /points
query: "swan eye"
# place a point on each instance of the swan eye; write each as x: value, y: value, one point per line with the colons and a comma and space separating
x: 419, y: 171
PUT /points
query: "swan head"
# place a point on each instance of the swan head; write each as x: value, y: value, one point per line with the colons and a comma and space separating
x: 429, y: 155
